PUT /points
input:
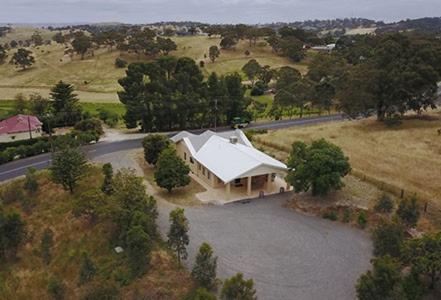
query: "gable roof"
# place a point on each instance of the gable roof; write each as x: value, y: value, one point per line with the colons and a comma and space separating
x: 19, y: 123
x: 226, y: 160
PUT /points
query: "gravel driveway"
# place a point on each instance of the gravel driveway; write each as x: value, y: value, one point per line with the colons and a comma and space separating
x: 288, y: 255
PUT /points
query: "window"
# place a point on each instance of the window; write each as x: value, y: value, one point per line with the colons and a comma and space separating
x: 185, y: 156
x: 273, y: 176
x: 191, y: 160
x: 208, y: 174
x: 203, y: 171
x: 237, y: 181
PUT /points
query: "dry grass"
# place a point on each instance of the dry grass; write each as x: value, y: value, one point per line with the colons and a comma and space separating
x: 180, y: 196
x: 96, y: 78
x: 27, y: 278
x: 405, y: 157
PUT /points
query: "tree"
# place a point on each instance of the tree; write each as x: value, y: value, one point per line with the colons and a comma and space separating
x: 38, y: 105
x: 56, y: 288
x: 23, y: 58
x: 252, y: 69
x: 107, y: 186
x: 178, y: 233
x: 166, y: 45
x: 12, y: 233
x: 153, y: 145
x: 213, y: 53
x: 91, y: 125
x: 37, y: 39
x: 31, y: 183
x: 204, y: 269
x: 384, y: 204
x: 65, y: 103
x: 319, y: 166
x: 424, y: 255
x: 228, y: 42
x: 87, y: 269
x: 236, y: 103
x: 379, y: 283
x: 92, y: 204
x: 81, y: 43
x: 237, y: 287
x: 171, y: 171
x: 409, y: 211
x: 138, y: 250
x: 297, y: 94
x: 20, y: 104
x: 3, y: 54
x: 388, y: 239
x: 68, y: 166
x: 59, y: 38
x: 47, y: 241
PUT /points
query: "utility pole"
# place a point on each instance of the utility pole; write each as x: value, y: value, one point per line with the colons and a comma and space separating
x: 215, y: 115
x: 29, y: 126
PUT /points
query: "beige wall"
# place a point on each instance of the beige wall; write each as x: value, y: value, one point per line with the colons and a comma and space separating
x: 197, y: 168
x: 4, y: 138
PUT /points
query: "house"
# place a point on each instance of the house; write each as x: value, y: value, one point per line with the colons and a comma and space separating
x: 229, y: 161
x: 326, y: 48
x: 19, y: 127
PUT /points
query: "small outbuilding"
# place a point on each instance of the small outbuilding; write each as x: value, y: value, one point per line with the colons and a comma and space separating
x: 228, y: 160
x: 20, y: 127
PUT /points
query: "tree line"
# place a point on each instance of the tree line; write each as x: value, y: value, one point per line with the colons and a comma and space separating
x: 171, y: 93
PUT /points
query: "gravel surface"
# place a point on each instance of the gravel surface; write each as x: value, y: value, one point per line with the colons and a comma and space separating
x: 287, y: 254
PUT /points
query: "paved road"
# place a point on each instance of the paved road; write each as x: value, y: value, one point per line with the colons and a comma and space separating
x: 288, y: 255
x: 18, y: 168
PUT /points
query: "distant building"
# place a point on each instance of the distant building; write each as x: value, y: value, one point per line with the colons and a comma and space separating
x: 326, y: 48
x: 20, y: 127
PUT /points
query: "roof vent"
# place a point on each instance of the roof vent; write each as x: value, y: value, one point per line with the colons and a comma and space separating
x: 233, y: 139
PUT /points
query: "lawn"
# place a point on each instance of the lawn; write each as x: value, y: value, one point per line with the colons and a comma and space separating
x: 27, y: 277
x: 404, y: 157
x: 96, y: 78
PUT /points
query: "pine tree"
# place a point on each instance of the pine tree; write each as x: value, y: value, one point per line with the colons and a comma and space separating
x: 238, y: 288
x: 204, y: 269
x: 65, y: 103
x: 31, y: 184
x: 178, y: 233
x: 87, y: 270
x: 47, y: 241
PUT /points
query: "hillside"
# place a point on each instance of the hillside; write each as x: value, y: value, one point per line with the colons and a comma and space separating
x: 96, y: 77
x: 27, y: 277
x: 404, y: 157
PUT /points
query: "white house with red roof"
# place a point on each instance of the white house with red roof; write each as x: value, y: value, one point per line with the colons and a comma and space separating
x: 20, y: 127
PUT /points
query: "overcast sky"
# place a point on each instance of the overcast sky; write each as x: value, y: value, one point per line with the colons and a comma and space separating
x: 212, y: 11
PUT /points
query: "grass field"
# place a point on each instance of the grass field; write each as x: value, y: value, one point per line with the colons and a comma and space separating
x: 95, y: 78
x: 27, y: 277
x: 405, y: 157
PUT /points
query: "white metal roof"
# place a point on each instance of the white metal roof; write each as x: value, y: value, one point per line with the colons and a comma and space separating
x: 226, y: 160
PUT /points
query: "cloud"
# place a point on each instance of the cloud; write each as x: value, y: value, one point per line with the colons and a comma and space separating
x: 212, y: 11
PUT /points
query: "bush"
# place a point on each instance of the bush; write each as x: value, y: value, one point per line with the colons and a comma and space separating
x: 362, y: 219
x: 388, y: 239
x: 120, y: 63
x: 109, y: 117
x: 238, y: 288
x: 200, y: 294
x: 346, y: 215
x: 12, y: 193
x: 408, y: 211
x: 384, y: 204
x: 330, y: 215
x: 56, y: 289
x: 258, y: 89
x: 90, y: 125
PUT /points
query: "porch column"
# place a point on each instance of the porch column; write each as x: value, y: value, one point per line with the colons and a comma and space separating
x: 268, y: 183
x: 228, y: 189
x: 249, y: 185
